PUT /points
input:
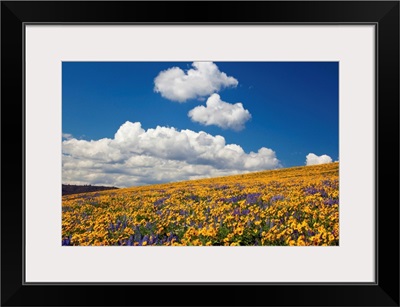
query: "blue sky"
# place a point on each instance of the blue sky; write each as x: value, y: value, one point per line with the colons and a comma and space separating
x: 289, y: 108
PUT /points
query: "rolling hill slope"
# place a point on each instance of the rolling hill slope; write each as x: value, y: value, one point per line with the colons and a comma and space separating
x: 292, y: 206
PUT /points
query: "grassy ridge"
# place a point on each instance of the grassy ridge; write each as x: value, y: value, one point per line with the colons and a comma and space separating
x: 76, y: 189
x: 292, y: 206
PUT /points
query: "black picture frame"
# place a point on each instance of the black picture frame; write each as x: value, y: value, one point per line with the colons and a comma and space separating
x: 383, y: 14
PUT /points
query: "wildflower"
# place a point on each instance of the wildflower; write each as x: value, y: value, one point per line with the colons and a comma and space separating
x: 295, y: 206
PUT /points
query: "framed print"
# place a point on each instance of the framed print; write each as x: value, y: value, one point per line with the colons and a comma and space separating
x: 233, y: 157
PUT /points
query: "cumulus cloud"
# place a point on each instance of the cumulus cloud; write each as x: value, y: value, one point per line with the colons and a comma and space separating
x: 313, y: 159
x: 136, y: 156
x: 67, y: 136
x: 221, y: 114
x: 202, y: 80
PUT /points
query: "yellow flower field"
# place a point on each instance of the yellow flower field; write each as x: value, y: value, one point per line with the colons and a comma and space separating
x: 292, y: 206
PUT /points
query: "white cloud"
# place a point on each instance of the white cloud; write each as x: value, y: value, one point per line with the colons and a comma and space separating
x: 202, y: 80
x: 312, y: 159
x: 221, y: 114
x: 136, y: 156
x: 67, y: 136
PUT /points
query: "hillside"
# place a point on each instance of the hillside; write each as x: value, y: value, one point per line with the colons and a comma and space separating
x: 291, y: 206
x: 68, y: 189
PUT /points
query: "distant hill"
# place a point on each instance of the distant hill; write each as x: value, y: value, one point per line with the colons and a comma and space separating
x: 75, y: 189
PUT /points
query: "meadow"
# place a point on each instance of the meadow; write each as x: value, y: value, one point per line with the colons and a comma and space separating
x: 293, y: 206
